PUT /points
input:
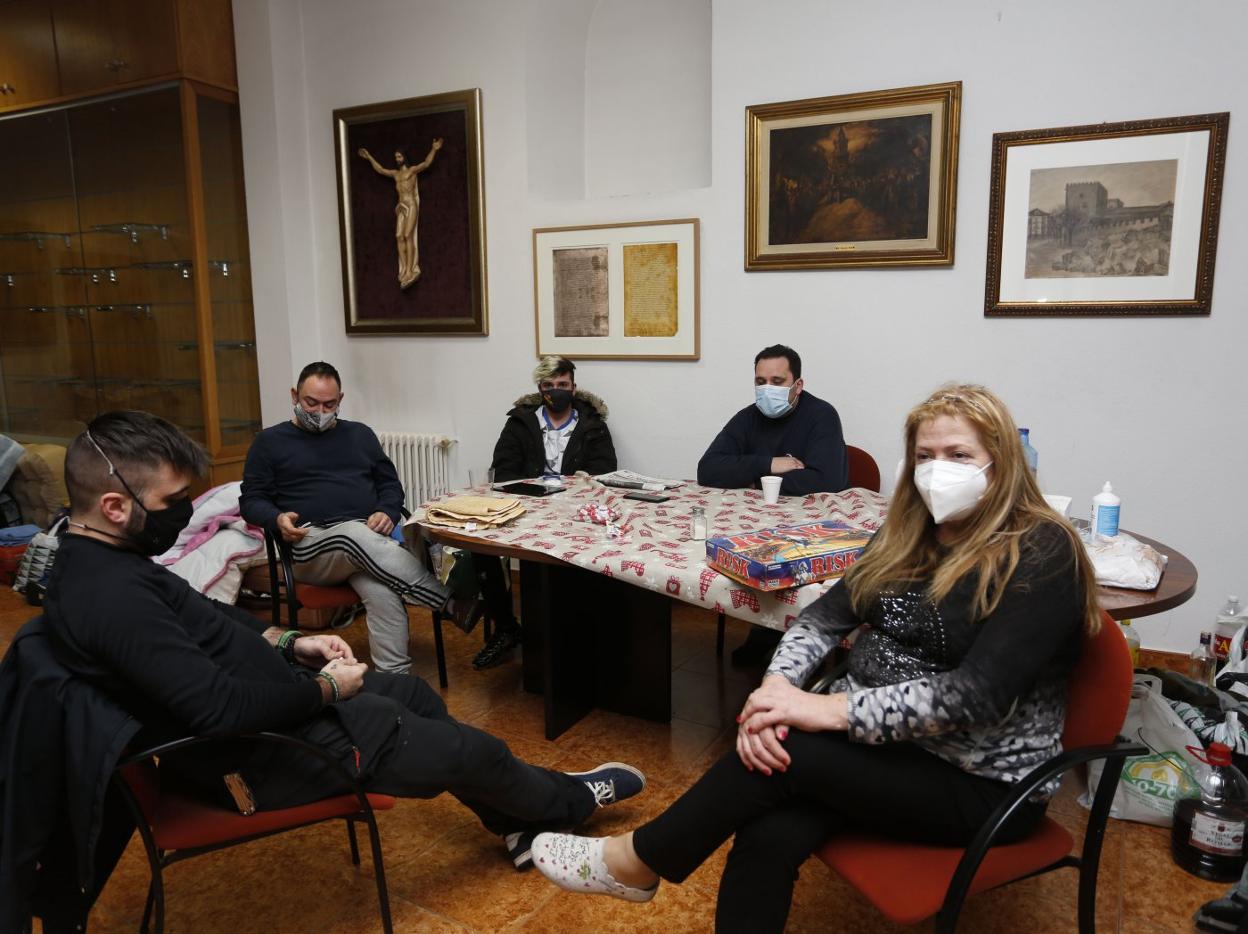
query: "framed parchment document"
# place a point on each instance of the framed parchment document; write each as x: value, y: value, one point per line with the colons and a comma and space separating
x: 617, y: 291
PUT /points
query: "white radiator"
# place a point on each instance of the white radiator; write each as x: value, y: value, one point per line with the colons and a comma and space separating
x: 423, y: 463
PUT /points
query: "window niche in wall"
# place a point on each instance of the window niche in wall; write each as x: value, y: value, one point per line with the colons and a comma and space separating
x: 618, y: 96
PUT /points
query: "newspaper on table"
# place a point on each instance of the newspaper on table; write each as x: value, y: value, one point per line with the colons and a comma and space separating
x: 631, y: 480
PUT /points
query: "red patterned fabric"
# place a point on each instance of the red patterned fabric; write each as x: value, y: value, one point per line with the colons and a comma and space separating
x: 650, y: 544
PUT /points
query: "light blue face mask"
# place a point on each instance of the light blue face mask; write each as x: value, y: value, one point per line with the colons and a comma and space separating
x: 773, y: 401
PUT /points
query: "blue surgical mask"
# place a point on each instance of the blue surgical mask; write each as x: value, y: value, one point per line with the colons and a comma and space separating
x: 773, y: 401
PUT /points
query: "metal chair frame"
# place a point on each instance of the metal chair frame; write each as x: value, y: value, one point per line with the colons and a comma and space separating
x: 159, y: 859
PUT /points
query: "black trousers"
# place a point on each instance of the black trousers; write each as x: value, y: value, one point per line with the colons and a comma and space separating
x: 897, y: 790
x: 428, y: 753
x: 494, y: 592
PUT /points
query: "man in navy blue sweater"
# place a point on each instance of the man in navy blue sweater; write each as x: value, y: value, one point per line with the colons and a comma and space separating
x: 787, y: 432
x: 325, y: 485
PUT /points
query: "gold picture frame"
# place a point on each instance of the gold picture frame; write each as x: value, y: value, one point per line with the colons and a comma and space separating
x: 627, y: 291
x: 431, y: 279
x: 1112, y: 219
x: 855, y: 180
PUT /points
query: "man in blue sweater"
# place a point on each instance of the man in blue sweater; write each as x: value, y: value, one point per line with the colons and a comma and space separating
x: 325, y: 485
x: 787, y: 432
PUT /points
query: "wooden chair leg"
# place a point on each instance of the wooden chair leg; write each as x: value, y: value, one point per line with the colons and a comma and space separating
x: 719, y: 636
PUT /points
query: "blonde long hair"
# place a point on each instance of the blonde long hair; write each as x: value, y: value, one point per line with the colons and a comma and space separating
x: 906, y: 549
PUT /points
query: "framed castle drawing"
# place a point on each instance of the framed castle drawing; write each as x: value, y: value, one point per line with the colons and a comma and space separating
x: 411, y: 215
x: 856, y: 180
x: 617, y: 291
x: 1109, y: 219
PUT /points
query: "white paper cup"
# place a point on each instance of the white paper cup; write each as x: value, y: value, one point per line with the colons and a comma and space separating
x: 771, y: 490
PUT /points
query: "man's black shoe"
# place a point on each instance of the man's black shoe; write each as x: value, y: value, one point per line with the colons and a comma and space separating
x: 498, y: 648
x: 757, y: 648
x: 1227, y: 915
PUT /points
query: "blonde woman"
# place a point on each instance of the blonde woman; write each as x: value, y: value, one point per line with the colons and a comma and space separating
x: 975, y: 596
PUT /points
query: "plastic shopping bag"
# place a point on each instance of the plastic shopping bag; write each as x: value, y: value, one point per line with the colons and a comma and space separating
x: 1150, y: 784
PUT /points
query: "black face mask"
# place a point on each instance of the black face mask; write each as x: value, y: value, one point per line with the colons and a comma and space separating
x: 557, y: 400
x: 160, y: 528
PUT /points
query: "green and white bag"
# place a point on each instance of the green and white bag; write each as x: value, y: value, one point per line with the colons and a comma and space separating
x: 1151, y: 784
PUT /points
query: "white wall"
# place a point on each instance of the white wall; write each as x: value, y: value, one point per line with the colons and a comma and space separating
x: 1154, y: 405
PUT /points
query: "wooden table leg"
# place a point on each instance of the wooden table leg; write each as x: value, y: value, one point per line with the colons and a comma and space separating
x: 593, y: 641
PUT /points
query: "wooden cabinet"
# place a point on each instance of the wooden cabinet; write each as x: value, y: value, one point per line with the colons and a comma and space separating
x: 52, y: 50
x: 102, y: 43
x: 27, y: 53
x: 125, y: 276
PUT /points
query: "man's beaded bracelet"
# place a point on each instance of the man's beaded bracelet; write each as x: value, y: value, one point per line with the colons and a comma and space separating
x: 286, y: 644
x: 333, y: 685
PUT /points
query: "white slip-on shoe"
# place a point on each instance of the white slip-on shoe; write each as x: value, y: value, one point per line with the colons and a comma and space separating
x: 575, y: 863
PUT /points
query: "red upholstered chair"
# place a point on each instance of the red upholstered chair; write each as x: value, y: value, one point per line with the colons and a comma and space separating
x: 176, y: 825
x: 911, y: 882
x: 300, y: 596
x: 862, y: 472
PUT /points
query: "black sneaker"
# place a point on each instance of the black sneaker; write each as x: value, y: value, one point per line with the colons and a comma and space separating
x: 498, y: 648
x: 759, y: 645
x: 612, y: 782
x: 1229, y: 914
x: 520, y: 848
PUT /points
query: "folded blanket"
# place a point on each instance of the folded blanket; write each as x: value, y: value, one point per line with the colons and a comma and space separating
x: 461, y: 512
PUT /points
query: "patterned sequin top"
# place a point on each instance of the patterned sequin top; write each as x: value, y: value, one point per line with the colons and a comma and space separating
x: 988, y: 696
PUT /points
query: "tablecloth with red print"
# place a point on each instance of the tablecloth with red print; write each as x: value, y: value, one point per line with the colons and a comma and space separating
x: 650, y: 545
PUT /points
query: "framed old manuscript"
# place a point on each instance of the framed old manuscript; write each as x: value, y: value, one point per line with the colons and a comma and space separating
x: 617, y: 291
x: 411, y: 212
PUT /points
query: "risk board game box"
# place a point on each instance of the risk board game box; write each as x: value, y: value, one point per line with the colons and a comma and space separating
x: 787, y: 556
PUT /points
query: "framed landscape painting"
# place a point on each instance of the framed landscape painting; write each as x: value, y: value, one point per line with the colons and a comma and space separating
x: 617, y: 291
x: 1109, y: 219
x: 864, y: 179
x: 411, y: 213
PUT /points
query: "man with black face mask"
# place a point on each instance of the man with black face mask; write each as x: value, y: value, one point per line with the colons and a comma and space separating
x: 553, y: 432
x: 179, y: 663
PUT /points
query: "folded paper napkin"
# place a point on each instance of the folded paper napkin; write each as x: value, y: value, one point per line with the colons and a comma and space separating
x: 598, y: 514
x: 1123, y: 561
x: 473, y: 512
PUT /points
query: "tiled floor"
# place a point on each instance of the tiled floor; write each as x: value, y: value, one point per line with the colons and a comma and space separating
x: 447, y: 874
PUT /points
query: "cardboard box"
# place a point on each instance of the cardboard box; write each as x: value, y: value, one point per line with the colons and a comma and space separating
x: 789, y: 555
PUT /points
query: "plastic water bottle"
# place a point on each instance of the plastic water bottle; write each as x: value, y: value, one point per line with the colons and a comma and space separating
x: 1231, y: 619
x: 1030, y: 454
x: 1207, y: 836
x: 1105, y: 509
